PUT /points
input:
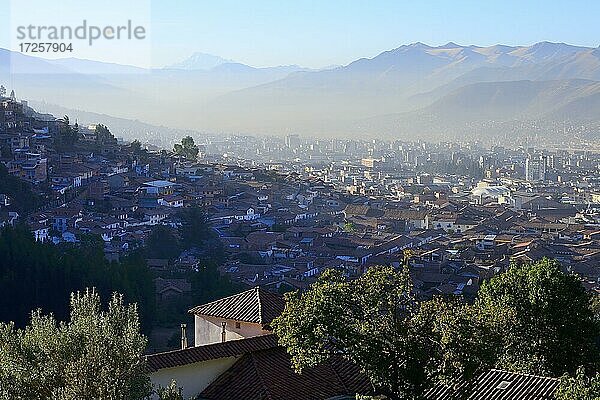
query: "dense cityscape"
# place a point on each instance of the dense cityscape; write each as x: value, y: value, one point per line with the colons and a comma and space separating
x: 296, y: 206
x: 340, y: 200
x: 276, y: 213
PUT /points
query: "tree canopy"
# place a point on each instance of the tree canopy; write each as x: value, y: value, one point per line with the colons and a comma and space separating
x: 187, y: 148
x: 23, y: 199
x: 373, y: 321
x: 541, y: 320
x: 98, y: 354
x: 34, y: 274
x: 67, y: 135
x: 103, y: 137
x: 194, y: 229
x: 532, y: 319
x: 162, y: 243
x: 579, y: 387
x: 171, y: 392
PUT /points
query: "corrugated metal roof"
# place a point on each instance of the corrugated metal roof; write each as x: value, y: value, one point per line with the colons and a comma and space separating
x: 255, y: 305
x: 499, y: 385
x: 207, y: 352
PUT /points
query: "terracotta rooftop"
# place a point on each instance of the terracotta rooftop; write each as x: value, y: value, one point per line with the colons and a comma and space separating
x: 268, y: 374
x: 231, y: 348
x: 255, y: 305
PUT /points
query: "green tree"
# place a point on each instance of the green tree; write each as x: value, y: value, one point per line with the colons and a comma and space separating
x: 171, y: 392
x: 349, y: 227
x: 373, y: 321
x: 67, y: 135
x: 579, y: 387
x: 208, y: 284
x: 194, y: 230
x: 24, y: 200
x: 97, y: 354
x: 136, y: 147
x: 595, y: 306
x: 104, y: 137
x: 187, y: 148
x: 532, y: 319
x: 461, y: 349
x: 140, y: 153
x: 162, y: 243
x: 34, y: 274
x: 540, y: 320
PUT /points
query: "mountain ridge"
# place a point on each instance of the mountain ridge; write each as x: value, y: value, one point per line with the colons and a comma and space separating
x: 201, y: 61
x: 413, y: 79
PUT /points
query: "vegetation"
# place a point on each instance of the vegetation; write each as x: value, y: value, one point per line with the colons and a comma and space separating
x: 532, y: 319
x: 103, y: 137
x: 34, y: 275
x: 171, y: 392
x: 41, y: 275
x: 540, y: 320
x: 579, y: 387
x: 162, y: 243
x: 195, y: 233
x: 470, y: 168
x: 98, y: 354
x: 195, y: 236
x: 187, y: 148
x: 23, y: 198
x: 195, y: 229
x: 67, y: 135
x: 137, y: 149
x: 373, y: 321
x: 349, y: 227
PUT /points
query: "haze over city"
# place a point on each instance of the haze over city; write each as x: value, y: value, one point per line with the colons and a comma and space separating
x: 299, y: 200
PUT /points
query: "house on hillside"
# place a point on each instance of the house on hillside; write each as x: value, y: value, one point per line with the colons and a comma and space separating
x: 8, y: 218
x: 234, y: 348
x: 244, y: 315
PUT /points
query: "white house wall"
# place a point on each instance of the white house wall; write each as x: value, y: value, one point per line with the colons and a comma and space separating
x: 208, y: 330
x: 193, y: 378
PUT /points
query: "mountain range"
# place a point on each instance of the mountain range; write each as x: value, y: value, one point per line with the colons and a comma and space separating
x: 200, y: 61
x: 405, y: 87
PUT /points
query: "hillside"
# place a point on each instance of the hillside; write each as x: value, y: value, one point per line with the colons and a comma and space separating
x: 450, y: 82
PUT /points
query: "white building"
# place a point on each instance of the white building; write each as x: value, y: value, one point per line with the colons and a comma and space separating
x: 234, y: 348
x: 535, y: 169
x: 224, y: 330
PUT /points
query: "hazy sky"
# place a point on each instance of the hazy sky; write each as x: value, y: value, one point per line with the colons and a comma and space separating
x: 320, y: 33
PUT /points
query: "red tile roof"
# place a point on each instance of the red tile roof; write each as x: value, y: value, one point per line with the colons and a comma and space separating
x: 268, y: 374
x: 255, y: 305
x: 214, y: 351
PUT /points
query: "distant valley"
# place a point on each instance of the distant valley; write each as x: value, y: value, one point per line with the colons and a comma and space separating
x: 405, y: 91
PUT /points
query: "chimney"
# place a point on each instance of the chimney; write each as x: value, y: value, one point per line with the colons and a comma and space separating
x: 183, y: 337
x: 223, y: 332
